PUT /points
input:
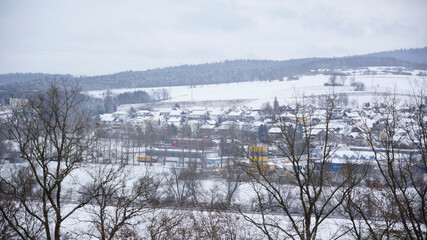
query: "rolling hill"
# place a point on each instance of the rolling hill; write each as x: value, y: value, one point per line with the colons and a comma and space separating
x: 220, y: 72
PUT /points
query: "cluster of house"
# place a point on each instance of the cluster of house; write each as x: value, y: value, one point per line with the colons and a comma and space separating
x: 207, y: 120
x: 210, y: 121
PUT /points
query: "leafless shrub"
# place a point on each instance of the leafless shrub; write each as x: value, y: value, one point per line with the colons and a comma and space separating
x: 314, y: 193
x: 54, y: 136
x: 120, y: 202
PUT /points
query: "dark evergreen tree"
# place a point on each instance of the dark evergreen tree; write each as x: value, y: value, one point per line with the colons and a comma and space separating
x: 262, y: 132
x: 132, y: 112
x: 276, y: 105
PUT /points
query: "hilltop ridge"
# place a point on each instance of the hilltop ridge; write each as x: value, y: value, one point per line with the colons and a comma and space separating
x: 221, y: 72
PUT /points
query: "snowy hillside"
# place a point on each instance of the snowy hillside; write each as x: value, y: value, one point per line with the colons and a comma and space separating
x: 257, y: 93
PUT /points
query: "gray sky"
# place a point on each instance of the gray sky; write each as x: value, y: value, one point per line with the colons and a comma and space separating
x: 94, y: 37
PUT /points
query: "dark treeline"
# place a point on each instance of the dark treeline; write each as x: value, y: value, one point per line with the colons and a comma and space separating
x: 222, y: 72
x: 229, y: 72
x: 132, y: 97
x: 110, y: 102
x: 416, y: 55
x: 96, y: 106
x: 23, y: 77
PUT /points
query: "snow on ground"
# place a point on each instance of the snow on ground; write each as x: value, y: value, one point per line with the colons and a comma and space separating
x: 331, y: 228
x: 79, y: 222
x: 259, y: 92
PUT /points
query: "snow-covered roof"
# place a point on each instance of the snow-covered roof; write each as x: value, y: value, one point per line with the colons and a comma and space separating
x: 120, y: 113
x: 216, y: 113
x: 137, y: 120
x: 319, y: 113
x: 107, y: 117
x: 207, y: 126
x: 354, y: 134
x: 174, y: 119
x: 275, y: 130
x: 253, y: 114
x: 175, y: 113
x: 211, y: 122
x: 198, y: 112
x: 352, y: 115
x: 143, y: 112
x: 257, y: 123
x: 316, y: 131
x: 224, y: 127
x: 229, y: 123
x: 235, y: 113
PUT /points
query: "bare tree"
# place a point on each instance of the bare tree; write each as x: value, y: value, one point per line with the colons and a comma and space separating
x: 53, y: 135
x: 399, y: 143
x: 233, y: 179
x: 3, y: 146
x: 150, y: 136
x: 205, y: 223
x: 165, y: 93
x: 315, y: 192
x: 165, y: 224
x: 372, y: 212
x: 217, y: 224
x: 182, y: 186
x: 358, y: 86
x: 20, y: 190
x: 120, y: 201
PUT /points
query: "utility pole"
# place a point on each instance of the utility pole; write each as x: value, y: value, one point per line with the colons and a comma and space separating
x: 191, y: 86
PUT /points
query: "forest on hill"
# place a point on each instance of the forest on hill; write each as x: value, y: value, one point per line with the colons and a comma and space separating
x: 220, y: 72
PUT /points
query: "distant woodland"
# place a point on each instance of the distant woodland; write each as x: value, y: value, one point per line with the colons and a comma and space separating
x: 220, y: 72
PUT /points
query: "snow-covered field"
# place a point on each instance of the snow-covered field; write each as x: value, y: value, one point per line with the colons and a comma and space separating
x: 80, y: 221
x: 259, y: 92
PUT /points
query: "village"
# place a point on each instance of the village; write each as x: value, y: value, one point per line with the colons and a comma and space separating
x: 219, y: 120
x: 215, y: 138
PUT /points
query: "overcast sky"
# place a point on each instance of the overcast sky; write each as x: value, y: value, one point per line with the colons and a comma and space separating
x: 91, y: 37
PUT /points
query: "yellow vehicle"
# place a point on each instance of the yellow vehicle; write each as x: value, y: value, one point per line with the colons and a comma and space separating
x: 221, y: 171
x: 146, y: 159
